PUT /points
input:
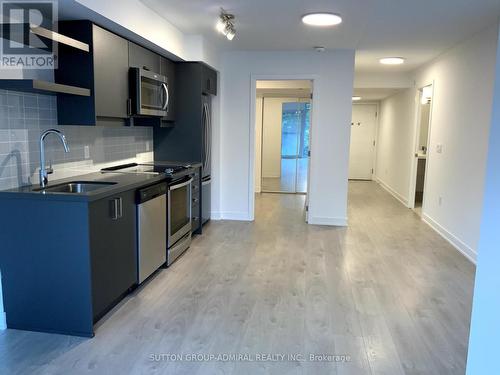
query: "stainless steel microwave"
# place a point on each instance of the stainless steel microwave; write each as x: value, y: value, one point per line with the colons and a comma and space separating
x: 149, y: 93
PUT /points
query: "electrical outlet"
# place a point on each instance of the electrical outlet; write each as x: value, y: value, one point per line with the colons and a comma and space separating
x: 86, y: 152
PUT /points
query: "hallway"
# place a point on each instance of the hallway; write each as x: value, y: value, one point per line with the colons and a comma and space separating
x: 387, y: 292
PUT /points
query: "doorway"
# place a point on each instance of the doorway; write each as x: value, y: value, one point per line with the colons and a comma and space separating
x: 283, y: 134
x: 425, y: 95
x: 362, y: 147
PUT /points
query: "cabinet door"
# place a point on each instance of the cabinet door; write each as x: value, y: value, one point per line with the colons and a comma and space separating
x: 209, y: 80
x: 167, y: 69
x: 110, y: 73
x: 113, y: 250
x: 140, y: 57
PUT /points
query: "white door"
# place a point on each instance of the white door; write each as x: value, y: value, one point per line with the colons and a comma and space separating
x: 362, y: 152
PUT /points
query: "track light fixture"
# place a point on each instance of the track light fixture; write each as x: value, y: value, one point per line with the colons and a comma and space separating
x: 225, y: 24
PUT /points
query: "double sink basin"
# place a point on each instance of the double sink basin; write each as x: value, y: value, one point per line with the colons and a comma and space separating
x: 76, y: 187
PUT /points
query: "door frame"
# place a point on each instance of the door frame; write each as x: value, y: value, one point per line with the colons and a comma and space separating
x: 375, y: 147
x: 253, y: 99
x: 416, y: 138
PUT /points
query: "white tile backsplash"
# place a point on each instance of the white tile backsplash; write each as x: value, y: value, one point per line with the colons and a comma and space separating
x: 22, y: 119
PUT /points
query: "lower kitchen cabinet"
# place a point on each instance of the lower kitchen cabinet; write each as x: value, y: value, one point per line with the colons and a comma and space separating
x: 112, y: 223
x: 65, y: 263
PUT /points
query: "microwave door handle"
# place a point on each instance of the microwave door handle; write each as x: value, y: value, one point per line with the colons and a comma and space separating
x: 167, y: 96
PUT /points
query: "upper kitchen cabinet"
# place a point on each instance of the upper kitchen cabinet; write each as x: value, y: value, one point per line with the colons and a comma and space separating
x: 209, y: 80
x: 104, y: 69
x: 143, y: 58
x: 167, y: 69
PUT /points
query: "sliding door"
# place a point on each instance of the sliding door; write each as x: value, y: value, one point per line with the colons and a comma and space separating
x: 285, y: 145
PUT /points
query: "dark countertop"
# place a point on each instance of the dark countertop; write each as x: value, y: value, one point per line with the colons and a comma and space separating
x: 193, y: 164
x: 123, y: 182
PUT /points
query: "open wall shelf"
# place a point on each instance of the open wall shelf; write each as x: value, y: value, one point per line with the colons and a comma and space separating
x: 36, y: 86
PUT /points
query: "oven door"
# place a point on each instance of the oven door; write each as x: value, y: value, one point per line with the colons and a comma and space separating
x: 151, y: 95
x: 179, y: 210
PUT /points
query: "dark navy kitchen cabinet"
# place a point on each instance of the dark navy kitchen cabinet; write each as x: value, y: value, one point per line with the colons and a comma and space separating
x: 104, y: 69
x: 167, y: 69
x: 66, y: 263
x: 140, y: 57
x: 112, y: 223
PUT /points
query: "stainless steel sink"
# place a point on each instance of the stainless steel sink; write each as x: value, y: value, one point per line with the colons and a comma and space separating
x: 76, y: 187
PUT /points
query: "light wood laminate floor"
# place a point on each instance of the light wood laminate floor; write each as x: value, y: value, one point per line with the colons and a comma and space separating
x: 387, y: 291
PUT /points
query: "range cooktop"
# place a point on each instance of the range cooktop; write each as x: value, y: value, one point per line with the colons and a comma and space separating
x: 148, y: 168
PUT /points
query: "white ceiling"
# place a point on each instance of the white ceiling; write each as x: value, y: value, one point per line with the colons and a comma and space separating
x: 416, y: 29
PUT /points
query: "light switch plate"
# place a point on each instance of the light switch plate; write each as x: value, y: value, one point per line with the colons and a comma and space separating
x: 439, y: 148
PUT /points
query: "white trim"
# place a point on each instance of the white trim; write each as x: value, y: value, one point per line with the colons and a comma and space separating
x: 331, y: 221
x: 393, y: 192
x: 416, y: 139
x: 236, y: 216
x: 215, y: 215
x: 3, y: 321
x: 458, y: 244
x: 250, y: 215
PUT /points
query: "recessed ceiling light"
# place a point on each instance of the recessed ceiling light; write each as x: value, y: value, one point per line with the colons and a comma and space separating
x: 392, y: 61
x: 356, y: 98
x: 321, y: 19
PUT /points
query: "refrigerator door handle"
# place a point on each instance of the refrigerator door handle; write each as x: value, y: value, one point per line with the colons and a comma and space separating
x: 209, y: 136
x: 205, y: 151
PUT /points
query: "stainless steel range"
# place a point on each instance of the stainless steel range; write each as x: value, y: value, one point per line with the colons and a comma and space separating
x: 179, y: 179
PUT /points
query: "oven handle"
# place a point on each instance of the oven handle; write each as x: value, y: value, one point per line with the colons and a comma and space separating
x: 178, y: 186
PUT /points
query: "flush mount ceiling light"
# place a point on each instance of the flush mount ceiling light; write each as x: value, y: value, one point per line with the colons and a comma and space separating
x: 356, y: 98
x: 225, y: 24
x: 321, y: 19
x: 392, y: 61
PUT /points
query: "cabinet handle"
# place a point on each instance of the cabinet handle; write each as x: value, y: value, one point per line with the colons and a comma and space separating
x: 116, y: 208
x: 129, y: 107
x: 195, y: 200
x: 120, y: 208
x: 113, y: 208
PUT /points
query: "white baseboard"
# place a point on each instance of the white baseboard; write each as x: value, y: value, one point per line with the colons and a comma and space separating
x: 3, y: 321
x: 331, y: 221
x: 215, y: 215
x: 236, y: 216
x: 467, y: 251
x: 393, y: 192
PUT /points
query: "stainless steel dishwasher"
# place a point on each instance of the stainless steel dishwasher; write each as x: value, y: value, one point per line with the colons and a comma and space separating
x: 152, y: 229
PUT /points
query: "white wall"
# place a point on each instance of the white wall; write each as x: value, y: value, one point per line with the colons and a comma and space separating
x: 383, y: 80
x: 156, y: 32
x: 485, y: 326
x: 271, y: 137
x: 461, y: 117
x: 394, y: 145
x: 333, y: 81
x: 461, y: 112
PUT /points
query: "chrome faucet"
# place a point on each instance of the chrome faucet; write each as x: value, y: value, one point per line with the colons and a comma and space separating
x: 44, y: 172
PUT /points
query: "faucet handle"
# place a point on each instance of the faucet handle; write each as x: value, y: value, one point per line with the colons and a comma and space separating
x: 49, y: 169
